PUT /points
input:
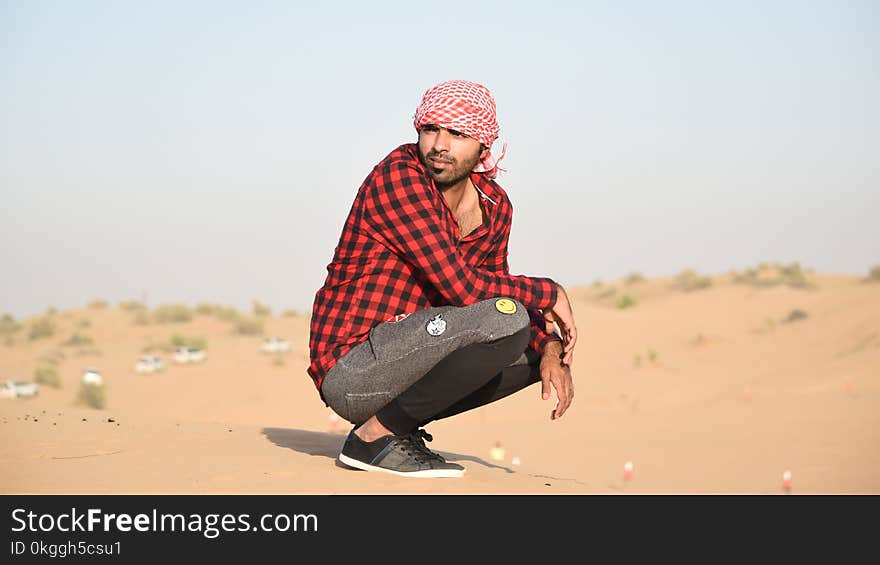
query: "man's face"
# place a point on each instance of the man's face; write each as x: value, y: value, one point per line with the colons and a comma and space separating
x: 449, y: 156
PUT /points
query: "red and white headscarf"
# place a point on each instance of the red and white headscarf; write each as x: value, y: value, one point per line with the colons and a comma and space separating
x: 467, y: 107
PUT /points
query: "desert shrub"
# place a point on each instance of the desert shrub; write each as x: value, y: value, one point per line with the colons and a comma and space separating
x: 249, y: 326
x: 792, y: 275
x: 652, y: 355
x: 206, y: 309
x: 8, y: 325
x: 78, y: 340
x: 51, y: 311
x: 874, y: 274
x: 98, y: 304
x: 773, y: 274
x: 278, y: 361
x: 172, y: 313
x: 93, y: 395
x: 261, y: 310
x: 227, y: 313
x: 597, y: 283
x: 197, y: 342
x: 132, y: 306
x: 626, y: 301
x: 688, y: 280
x: 634, y: 278
x: 795, y: 315
x: 9, y: 341
x: 152, y: 346
x: 84, y: 323
x: 42, y: 328
x: 47, y: 375
x: 291, y: 313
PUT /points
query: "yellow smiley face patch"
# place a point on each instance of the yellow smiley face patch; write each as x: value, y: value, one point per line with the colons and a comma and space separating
x: 505, y: 306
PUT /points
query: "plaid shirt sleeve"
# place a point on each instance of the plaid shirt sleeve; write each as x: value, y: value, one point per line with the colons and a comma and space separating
x: 401, y: 209
x: 497, y: 262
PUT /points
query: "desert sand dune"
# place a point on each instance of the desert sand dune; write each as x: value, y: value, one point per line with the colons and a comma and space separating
x: 715, y: 390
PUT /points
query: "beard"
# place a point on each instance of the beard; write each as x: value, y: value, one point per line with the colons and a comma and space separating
x: 450, y: 171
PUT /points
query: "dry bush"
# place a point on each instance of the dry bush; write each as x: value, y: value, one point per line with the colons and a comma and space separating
x: 626, y: 301
x: 774, y: 274
x: 227, y: 313
x: 98, y: 304
x: 249, y: 326
x: 92, y: 395
x: 689, y: 280
x: 794, y: 316
x: 42, y: 328
x: 132, y: 306
x: 633, y: 278
x: 172, y: 314
x: 78, y: 340
x: 8, y: 325
x: 196, y: 342
x: 47, y: 375
x: 261, y: 310
x: 206, y: 309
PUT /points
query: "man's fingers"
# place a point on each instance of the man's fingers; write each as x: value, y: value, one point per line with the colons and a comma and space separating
x: 545, y: 385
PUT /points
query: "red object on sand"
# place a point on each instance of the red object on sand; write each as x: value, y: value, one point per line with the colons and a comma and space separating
x: 627, y: 471
x: 786, y: 481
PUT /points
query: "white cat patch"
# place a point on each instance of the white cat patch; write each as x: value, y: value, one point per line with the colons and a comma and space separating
x: 436, y: 325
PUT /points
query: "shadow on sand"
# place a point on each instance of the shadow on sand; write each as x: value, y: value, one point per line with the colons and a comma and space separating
x: 327, y: 444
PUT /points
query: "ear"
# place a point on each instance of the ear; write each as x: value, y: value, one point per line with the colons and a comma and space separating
x: 484, y: 152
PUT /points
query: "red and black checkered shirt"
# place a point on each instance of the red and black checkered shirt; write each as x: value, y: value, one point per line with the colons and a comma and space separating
x: 399, y: 252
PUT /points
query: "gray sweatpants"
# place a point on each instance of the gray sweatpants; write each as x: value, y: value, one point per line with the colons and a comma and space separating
x: 397, y: 354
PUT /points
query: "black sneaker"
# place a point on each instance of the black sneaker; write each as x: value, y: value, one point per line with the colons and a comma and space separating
x: 406, y: 456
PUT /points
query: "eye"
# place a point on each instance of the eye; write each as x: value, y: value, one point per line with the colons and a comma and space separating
x: 456, y: 133
x: 429, y: 127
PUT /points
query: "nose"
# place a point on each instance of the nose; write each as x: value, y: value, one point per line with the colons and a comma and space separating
x: 441, y: 140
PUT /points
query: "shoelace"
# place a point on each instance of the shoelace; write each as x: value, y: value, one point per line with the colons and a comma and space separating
x: 418, y: 438
x: 411, y: 446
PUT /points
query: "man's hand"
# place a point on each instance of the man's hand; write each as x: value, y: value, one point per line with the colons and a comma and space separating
x: 561, y: 314
x: 554, y: 372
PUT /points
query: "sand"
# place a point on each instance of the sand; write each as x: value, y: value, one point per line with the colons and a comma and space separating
x: 731, y: 398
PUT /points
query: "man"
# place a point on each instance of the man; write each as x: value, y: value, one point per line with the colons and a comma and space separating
x: 419, y: 318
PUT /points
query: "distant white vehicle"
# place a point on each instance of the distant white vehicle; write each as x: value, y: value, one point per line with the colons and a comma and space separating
x: 188, y: 355
x: 92, y: 376
x: 18, y: 389
x: 149, y: 364
x: 275, y: 345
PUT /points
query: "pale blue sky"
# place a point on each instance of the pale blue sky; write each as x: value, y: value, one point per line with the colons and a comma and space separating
x: 210, y: 151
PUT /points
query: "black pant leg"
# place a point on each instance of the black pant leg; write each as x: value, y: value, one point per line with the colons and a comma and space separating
x: 510, y: 380
x: 456, y: 376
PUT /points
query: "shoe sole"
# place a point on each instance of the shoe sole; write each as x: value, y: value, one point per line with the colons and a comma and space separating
x: 425, y: 474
